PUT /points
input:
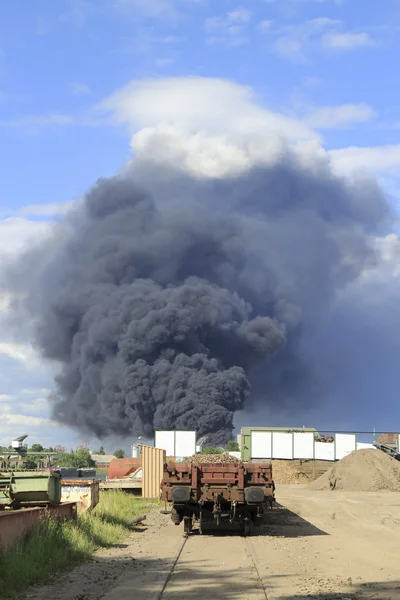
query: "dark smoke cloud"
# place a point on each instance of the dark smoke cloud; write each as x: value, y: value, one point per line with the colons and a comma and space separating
x: 167, y: 298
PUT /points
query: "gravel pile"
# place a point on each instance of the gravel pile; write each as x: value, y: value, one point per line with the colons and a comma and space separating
x: 283, y: 471
x: 201, y: 459
x: 362, y: 471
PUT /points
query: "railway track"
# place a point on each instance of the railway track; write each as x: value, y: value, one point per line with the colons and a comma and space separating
x: 261, y: 582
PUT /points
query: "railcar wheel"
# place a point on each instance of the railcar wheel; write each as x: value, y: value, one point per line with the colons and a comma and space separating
x: 187, y: 525
x: 175, y: 516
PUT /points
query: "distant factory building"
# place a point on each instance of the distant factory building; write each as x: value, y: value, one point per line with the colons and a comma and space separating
x: 102, y: 460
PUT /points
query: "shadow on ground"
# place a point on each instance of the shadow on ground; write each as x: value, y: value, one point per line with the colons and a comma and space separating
x: 278, y: 522
x: 141, y: 578
x: 282, y: 522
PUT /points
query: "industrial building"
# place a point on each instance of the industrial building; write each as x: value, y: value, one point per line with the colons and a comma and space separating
x: 246, y: 437
x: 102, y: 460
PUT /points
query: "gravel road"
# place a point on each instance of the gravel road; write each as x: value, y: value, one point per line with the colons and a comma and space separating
x: 315, y: 545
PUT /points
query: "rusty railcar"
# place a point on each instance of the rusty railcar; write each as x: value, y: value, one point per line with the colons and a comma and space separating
x: 223, y: 494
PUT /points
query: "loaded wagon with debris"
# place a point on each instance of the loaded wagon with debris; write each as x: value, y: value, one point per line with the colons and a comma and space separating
x: 224, y: 495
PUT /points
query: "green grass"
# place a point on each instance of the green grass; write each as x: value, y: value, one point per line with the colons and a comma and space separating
x: 102, y: 471
x: 53, y: 547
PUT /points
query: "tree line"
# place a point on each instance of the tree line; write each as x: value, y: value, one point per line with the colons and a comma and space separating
x: 78, y: 459
x: 82, y: 457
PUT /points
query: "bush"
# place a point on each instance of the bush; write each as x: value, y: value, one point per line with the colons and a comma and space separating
x: 212, y: 450
x: 232, y: 446
x: 79, y: 459
x: 119, y: 453
x: 29, y: 464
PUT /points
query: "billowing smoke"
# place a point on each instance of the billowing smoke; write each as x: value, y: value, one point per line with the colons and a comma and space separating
x: 170, y: 298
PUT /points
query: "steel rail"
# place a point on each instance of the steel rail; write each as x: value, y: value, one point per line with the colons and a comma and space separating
x: 268, y: 593
x: 263, y: 580
x: 167, y: 578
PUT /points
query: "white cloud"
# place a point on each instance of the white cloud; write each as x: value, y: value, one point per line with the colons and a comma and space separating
x: 347, y: 41
x: 340, y: 117
x: 35, y: 391
x: 24, y: 375
x: 215, y: 127
x: 24, y: 420
x: 389, y: 250
x: 37, y: 406
x: 376, y: 159
x: 152, y: 8
x: 27, y: 404
x: 230, y: 29
x: 79, y: 12
x: 265, y: 25
x: 146, y: 41
x: 20, y: 352
x: 79, y: 89
x: 290, y: 47
x: 220, y: 31
x: 24, y: 410
x: 163, y: 62
x: 5, y: 302
x: 52, y: 209
x: 17, y: 234
x: 209, y: 126
x: 199, y: 103
x: 294, y: 42
x: 239, y: 15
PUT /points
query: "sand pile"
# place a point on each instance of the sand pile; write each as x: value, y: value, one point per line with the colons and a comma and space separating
x: 201, y: 459
x: 362, y: 471
x: 283, y: 471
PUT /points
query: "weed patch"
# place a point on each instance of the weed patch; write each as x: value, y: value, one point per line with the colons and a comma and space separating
x: 53, y: 547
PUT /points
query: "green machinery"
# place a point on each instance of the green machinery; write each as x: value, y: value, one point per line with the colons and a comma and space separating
x: 29, y: 488
x: 20, y: 489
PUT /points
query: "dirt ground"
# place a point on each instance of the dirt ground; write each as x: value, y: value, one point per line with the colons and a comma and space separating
x: 318, y: 545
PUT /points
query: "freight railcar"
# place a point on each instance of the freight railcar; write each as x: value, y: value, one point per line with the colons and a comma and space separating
x: 226, y: 495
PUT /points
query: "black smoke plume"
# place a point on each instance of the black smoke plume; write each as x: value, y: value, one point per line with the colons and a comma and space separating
x: 169, y: 299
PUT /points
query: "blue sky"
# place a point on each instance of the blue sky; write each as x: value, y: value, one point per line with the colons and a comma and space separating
x: 327, y: 64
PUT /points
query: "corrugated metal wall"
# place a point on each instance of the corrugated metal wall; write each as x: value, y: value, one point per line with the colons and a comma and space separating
x: 153, y: 466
